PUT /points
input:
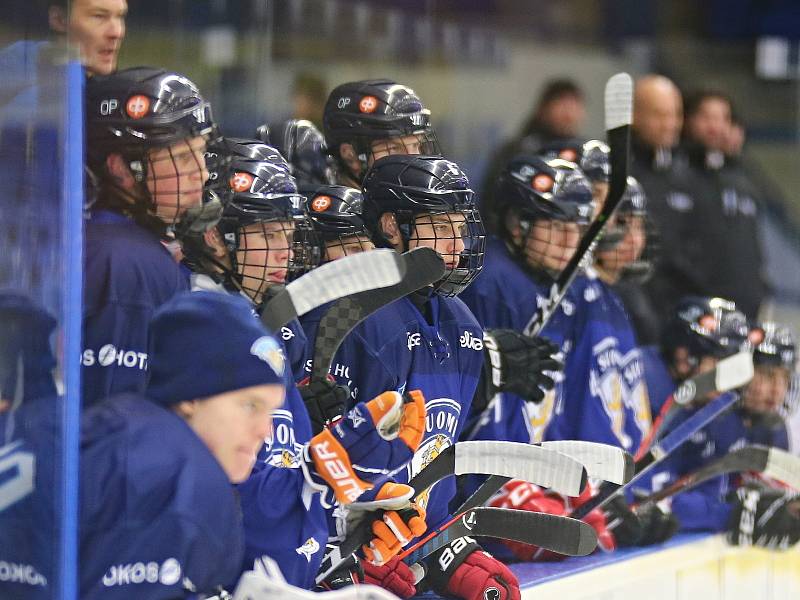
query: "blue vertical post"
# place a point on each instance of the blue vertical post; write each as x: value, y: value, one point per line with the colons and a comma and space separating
x: 72, y: 244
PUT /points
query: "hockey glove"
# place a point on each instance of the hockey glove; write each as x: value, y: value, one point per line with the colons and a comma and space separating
x: 350, y: 572
x: 400, y: 522
x: 517, y: 363
x: 764, y: 517
x: 394, y: 576
x: 462, y: 570
x: 375, y: 438
x: 657, y: 525
x: 324, y: 400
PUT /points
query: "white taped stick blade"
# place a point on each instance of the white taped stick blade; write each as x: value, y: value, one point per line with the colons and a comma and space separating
x: 602, y: 461
x: 734, y: 372
x: 348, y: 275
x: 619, y: 101
x: 547, y: 468
x: 784, y: 467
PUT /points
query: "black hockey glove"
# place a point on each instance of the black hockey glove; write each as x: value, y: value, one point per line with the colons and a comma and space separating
x: 350, y: 572
x: 648, y: 525
x: 325, y: 401
x: 516, y: 363
x: 764, y: 517
x: 657, y: 526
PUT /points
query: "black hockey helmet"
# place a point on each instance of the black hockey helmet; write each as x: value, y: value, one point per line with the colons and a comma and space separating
x: 774, y: 344
x: 134, y: 110
x: 223, y: 150
x: 411, y: 186
x: 361, y: 112
x: 592, y: 156
x: 304, y: 148
x: 705, y: 327
x: 552, y: 189
x: 336, y: 213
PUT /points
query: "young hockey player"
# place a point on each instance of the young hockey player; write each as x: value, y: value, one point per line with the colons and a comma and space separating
x: 250, y: 251
x: 543, y: 208
x: 365, y: 120
x: 146, y: 135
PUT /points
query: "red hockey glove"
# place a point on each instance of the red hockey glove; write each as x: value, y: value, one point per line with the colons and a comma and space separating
x: 522, y: 495
x: 462, y: 570
x: 598, y: 519
x: 394, y: 576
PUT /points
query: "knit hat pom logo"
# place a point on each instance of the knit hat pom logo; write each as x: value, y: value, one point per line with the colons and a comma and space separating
x: 267, y: 349
x: 321, y: 203
x: 137, y: 106
x: 368, y: 104
x: 241, y: 182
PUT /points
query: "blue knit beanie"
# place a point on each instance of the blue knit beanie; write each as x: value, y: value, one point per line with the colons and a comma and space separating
x: 208, y: 343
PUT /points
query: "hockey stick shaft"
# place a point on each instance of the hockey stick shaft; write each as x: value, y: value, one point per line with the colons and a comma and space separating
x: 660, y: 451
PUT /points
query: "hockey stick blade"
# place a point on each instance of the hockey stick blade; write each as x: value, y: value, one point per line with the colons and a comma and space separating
x: 784, y: 467
x: 618, y: 109
x: 661, y: 450
x: 602, y: 461
x: 331, y: 281
x: 509, y: 460
x: 555, y: 533
x: 423, y: 266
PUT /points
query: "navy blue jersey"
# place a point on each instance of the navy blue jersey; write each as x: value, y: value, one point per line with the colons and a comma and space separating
x: 506, y: 296
x: 605, y: 396
x: 660, y: 384
x: 30, y: 471
x: 158, y: 515
x: 128, y: 275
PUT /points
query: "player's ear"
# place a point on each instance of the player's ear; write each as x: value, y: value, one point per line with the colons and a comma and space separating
x: 185, y: 409
x: 213, y: 240
x: 391, y: 231
x: 57, y: 19
x: 513, y: 226
x: 120, y: 172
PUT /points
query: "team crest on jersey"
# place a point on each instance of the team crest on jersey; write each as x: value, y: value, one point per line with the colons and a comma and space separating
x: 605, y: 382
x: 268, y: 350
x: 441, y: 423
x: 282, y: 449
x: 634, y: 391
x: 309, y: 548
x: 538, y: 416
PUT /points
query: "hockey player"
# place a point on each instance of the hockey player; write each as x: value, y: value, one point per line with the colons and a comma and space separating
x: 543, y: 207
x: 303, y: 146
x: 365, y: 120
x: 146, y: 135
x: 159, y: 518
x: 592, y: 157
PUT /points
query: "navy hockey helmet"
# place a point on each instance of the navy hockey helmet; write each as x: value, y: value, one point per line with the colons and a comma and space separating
x: 223, y: 150
x: 537, y: 188
x: 305, y: 150
x: 136, y: 113
x: 774, y: 347
x: 705, y: 327
x: 592, y: 156
x: 416, y: 190
x: 774, y: 344
x: 361, y: 113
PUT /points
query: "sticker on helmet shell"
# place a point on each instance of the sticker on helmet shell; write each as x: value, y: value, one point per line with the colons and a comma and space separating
x: 542, y: 183
x: 708, y: 322
x: 137, y: 106
x: 321, y: 203
x: 241, y: 182
x: 568, y: 154
x: 368, y: 104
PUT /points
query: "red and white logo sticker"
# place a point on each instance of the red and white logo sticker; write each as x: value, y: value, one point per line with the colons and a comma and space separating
x: 368, y: 104
x: 542, y: 183
x: 568, y: 154
x: 321, y: 203
x: 137, y: 106
x: 241, y: 182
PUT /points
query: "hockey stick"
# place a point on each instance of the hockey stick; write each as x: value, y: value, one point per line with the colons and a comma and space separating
x: 509, y: 459
x: 619, y: 110
x: 333, y: 280
x: 661, y: 450
x: 423, y: 266
x: 602, y: 461
x: 559, y: 534
x: 772, y: 462
x: 730, y: 373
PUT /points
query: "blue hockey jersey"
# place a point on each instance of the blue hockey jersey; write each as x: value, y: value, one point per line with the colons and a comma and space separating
x: 128, y: 275
x: 506, y: 296
x: 605, y: 397
x: 158, y: 515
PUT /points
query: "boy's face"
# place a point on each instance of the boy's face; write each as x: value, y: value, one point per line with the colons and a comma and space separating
x: 346, y: 246
x: 443, y: 232
x: 767, y: 390
x: 176, y: 176
x: 630, y: 247
x: 234, y: 425
x: 550, y: 244
x: 264, y: 255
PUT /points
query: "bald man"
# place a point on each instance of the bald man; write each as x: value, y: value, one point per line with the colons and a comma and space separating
x: 673, y: 206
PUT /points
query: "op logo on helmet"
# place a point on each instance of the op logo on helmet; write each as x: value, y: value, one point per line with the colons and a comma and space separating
x: 542, y: 183
x: 321, y: 203
x: 137, y: 106
x: 241, y: 182
x: 368, y: 104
